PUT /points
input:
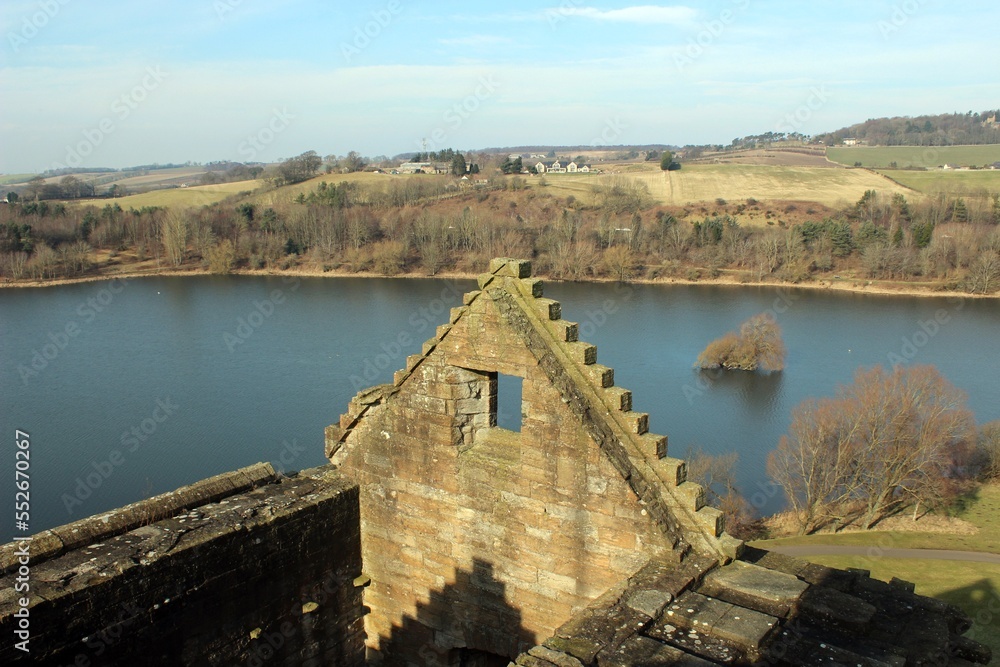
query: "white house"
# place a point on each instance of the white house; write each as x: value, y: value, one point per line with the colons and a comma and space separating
x: 557, y: 167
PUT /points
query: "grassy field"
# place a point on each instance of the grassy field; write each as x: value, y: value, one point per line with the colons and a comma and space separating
x: 287, y: 194
x: 951, y: 182
x: 735, y: 182
x: 201, y: 195
x: 973, y: 586
x: 915, y: 156
x: 7, y: 179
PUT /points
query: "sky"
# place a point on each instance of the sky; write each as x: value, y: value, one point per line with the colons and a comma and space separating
x: 116, y: 83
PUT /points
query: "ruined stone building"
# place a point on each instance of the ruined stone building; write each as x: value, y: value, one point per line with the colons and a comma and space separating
x: 437, y: 538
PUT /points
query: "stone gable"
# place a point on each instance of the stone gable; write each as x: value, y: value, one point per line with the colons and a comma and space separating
x: 582, y: 497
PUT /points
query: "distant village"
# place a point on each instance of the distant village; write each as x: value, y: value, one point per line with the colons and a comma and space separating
x: 541, y: 165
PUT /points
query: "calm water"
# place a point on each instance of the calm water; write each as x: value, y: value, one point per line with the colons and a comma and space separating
x: 139, y: 388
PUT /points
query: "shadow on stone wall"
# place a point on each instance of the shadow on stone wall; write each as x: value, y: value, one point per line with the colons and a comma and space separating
x: 465, y: 624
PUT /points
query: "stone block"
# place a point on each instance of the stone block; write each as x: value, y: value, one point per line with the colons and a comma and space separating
x: 638, y: 422
x: 834, y: 608
x: 511, y: 268
x: 767, y: 591
x: 469, y: 297
x: 565, y: 332
x: 619, y: 398
x: 533, y: 286
x: 672, y: 471
x: 557, y: 658
x: 693, y: 495
x: 648, y: 652
x: 713, y: 520
x: 582, y: 353
x: 549, y: 309
x: 602, y: 376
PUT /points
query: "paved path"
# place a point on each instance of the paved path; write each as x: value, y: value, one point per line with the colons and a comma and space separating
x: 880, y: 552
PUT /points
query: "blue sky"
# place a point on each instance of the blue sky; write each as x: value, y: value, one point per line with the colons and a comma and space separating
x: 116, y: 83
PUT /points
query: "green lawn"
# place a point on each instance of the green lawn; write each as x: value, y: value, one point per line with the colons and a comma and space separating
x: 975, y: 587
x: 973, y: 182
x: 915, y: 156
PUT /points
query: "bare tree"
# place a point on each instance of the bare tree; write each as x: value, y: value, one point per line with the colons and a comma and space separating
x: 175, y: 236
x: 886, y: 441
x: 988, y: 451
x: 717, y: 474
x: 984, y: 273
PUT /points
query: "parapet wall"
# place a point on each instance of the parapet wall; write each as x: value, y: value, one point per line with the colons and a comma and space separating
x: 243, y: 568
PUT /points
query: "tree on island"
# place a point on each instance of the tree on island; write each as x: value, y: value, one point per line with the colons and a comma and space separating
x: 757, y: 345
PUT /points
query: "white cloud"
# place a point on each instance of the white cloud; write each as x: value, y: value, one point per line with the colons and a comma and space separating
x: 676, y: 15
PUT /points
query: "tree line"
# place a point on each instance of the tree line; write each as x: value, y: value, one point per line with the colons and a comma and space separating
x: 952, y: 129
x: 434, y: 224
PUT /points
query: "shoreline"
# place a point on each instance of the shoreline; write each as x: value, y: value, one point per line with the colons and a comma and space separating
x: 844, y: 285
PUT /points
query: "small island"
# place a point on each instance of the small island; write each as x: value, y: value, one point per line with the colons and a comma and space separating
x: 758, y: 344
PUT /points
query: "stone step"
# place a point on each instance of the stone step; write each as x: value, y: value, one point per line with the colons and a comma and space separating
x: 715, y: 622
x: 429, y: 345
x: 638, y: 422
x: 582, y: 353
x: 551, y: 310
x: 713, y: 519
x: 692, y: 494
x: 533, y: 286
x: 620, y: 398
x: 671, y: 470
x: 565, y: 332
x: 600, y: 375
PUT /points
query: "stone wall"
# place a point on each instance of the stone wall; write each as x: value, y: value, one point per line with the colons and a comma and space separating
x: 243, y: 568
x: 480, y: 538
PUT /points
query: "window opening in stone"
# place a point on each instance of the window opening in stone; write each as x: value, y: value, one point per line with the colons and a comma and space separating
x: 508, y: 404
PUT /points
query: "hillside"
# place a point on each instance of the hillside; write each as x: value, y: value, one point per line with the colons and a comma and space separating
x: 950, y: 129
